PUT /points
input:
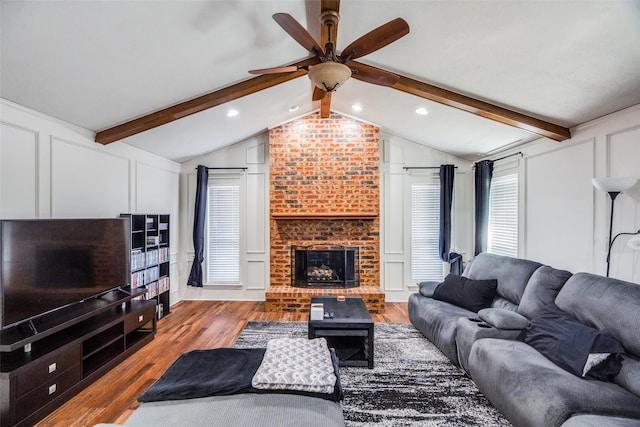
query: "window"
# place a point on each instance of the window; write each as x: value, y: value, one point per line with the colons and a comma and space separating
x: 425, y: 230
x: 503, y: 216
x: 223, y: 231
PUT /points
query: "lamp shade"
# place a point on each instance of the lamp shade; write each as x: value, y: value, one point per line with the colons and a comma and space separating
x: 614, y: 184
x: 329, y: 76
x: 634, y: 242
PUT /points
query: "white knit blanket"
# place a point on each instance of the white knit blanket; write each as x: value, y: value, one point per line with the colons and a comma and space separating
x: 296, y: 364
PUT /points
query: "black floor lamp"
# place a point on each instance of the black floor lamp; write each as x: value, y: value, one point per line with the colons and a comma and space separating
x: 614, y: 186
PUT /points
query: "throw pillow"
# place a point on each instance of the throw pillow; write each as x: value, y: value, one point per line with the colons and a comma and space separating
x: 473, y: 295
x: 577, y: 348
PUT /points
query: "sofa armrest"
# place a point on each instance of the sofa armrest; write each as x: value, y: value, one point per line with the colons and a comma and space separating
x: 427, y: 288
x: 501, y: 318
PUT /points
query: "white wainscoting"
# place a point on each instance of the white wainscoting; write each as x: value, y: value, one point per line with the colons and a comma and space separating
x: 53, y: 169
x: 18, y: 171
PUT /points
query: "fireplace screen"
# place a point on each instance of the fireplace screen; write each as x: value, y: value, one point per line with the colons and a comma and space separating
x: 325, y: 266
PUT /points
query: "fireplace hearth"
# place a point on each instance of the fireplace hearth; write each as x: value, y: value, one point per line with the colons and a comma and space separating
x: 325, y: 266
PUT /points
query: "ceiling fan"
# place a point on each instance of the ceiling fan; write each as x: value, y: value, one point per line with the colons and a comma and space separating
x: 329, y: 70
x: 327, y: 59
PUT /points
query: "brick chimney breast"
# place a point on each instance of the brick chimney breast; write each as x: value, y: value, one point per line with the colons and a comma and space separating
x: 324, y: 189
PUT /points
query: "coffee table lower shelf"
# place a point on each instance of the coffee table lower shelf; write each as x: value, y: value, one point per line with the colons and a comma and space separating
x: 354, y: 347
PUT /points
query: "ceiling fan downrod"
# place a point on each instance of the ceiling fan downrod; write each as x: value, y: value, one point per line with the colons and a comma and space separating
x: 329, y: 19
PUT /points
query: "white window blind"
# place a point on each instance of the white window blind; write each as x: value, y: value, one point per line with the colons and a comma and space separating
x: 425, y: 231
x: 223, y: 231
x: 503, y: 216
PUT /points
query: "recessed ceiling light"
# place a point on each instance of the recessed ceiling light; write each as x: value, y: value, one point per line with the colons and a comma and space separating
x: 422, y: 111
x: 294, y: 108
x: 232, y: 113
x: 357, y: 107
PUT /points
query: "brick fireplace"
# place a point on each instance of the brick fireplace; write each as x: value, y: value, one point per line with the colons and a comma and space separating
x: 324, y: 190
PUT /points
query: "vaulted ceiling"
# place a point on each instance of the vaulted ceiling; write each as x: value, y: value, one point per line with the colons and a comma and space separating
x: 162, y: 75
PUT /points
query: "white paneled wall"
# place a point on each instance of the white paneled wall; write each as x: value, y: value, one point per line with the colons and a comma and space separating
x: 18, y: 178
x: 87, y: 180
x: 52, y: 169
x: 254, y: 249
x: 395, y: 180
x: 565, y: 220
x: 559, y: 205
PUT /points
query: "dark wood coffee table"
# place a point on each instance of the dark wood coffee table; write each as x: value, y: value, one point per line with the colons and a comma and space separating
x: 349, y: 331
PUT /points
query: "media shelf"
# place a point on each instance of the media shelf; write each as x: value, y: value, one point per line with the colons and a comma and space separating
x: 150, y: 258
x: 42, y: 370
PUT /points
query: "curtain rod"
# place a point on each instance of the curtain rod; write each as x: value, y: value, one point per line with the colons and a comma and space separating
x: 244, y: 169
x: 424, y: 167
x: 519, y: 153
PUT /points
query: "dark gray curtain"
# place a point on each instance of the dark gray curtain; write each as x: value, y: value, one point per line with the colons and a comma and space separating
x: 447, y: 173
x: 484, y: 173
x: 195, y: 277
x: 455, y: 263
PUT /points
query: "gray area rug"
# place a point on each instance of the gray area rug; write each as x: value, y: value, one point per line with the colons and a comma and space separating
x: 412, y: 383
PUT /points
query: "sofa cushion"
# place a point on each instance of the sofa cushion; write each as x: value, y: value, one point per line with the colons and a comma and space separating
x: 605, y: 304
x: 503, y: 319
x: 542, y: 289
x: 473, y: 295
x: 577, y: 348
x: 512, y: 275
x: 601, y: 420
x: 436, y: 320
x: 530, y: 390
x: 468, y: 330
x: 629, y: 376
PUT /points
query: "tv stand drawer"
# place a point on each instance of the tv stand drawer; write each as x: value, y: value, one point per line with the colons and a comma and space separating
x: 138, y: 318
x: 47, y: 367
x: 47, y: 392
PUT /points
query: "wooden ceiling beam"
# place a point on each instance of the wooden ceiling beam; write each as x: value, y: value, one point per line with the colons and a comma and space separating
x: 198, y: 104
x: 481, y: 108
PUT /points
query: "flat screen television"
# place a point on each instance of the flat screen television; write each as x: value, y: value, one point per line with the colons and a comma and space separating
x: 49, y: 264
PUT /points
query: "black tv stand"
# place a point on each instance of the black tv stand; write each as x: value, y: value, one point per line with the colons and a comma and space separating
x: 49, y: 359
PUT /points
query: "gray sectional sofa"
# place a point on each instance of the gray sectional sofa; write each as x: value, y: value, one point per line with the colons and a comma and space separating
x: 527, y: 387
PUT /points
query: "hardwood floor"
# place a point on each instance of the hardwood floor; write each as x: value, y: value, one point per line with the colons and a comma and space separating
x: 191, y: 325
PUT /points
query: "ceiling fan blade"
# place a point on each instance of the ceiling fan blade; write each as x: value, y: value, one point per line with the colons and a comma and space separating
x: 325, y: 106
x: 275, y: 70
x: 373, y: 75
x: 318, y: 94
x: 298, y: 33
x: 376, y: 39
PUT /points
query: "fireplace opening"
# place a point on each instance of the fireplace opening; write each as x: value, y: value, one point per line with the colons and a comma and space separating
x: 324, y: 266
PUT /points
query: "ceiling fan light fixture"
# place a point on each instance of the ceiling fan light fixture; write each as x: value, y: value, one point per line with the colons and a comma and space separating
x: 329, y: 76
